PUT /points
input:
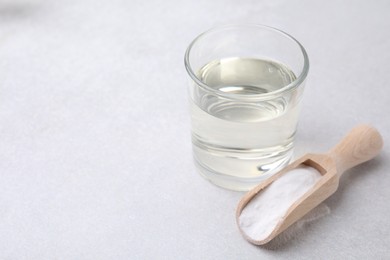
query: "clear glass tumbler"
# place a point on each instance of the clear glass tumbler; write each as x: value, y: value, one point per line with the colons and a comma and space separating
x: 246, y: 85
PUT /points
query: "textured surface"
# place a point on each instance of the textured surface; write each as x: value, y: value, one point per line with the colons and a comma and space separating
x: 95, y: 155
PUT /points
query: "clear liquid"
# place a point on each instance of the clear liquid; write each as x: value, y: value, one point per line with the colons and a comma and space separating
x: 237, y: 143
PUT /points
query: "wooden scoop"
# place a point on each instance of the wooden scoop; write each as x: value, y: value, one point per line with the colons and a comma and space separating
x: 360, y: 145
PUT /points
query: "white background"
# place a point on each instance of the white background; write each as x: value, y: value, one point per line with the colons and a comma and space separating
x: 95, y: 152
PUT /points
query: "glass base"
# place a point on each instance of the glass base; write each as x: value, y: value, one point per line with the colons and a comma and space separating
x: 242, y: 183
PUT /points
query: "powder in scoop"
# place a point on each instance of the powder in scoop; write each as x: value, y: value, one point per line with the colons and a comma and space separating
x: 262, y: 214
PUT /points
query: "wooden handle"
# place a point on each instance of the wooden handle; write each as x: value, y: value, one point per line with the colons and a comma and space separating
x: 361, y: 144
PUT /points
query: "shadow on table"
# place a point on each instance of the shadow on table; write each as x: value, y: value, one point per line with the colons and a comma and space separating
x: 17, y: 9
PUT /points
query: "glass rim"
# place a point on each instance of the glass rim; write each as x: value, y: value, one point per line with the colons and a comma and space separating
x: 264, y: 96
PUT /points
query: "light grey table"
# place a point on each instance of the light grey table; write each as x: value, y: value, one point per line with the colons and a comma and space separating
x: 95, y: 153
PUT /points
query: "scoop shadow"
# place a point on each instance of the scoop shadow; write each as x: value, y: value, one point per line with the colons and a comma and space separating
x: 358, y: 174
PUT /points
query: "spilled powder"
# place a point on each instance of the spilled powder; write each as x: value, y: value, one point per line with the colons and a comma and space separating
x: 262, y: 214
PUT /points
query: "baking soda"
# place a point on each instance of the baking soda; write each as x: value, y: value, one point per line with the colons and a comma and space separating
x: 263, y: 213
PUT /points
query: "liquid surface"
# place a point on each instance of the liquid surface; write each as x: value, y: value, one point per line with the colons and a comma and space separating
x: 239, y: 141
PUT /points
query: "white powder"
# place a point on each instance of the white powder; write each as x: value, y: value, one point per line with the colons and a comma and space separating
x: 262, y: 214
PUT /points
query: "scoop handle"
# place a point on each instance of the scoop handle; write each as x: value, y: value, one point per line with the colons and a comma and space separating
x: 361, y: 144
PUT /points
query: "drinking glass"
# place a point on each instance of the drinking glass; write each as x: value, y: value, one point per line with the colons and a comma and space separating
x: 246, y: 84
